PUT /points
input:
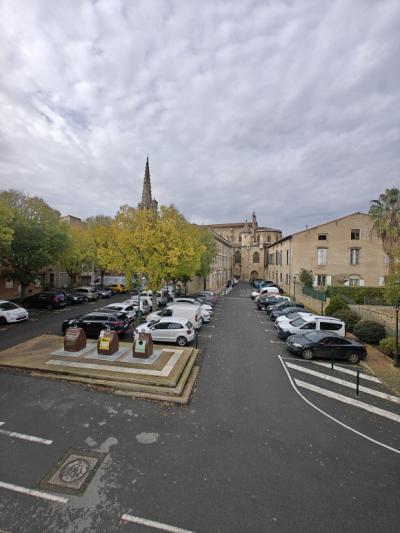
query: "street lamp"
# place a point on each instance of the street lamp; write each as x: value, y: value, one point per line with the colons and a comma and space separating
x: 294, y: 288
x: 396, y: 342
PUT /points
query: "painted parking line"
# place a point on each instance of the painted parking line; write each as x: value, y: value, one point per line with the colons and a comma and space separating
x: 344, y: 383
x: 277, y: 342
x: 153, y: 524
x: 350, y: 401
x: 30, y: 438
x: 32, y: 492
x: 204, y: 336
x: 270, y: 330
x: 208, y: 326
x: 339, y: 368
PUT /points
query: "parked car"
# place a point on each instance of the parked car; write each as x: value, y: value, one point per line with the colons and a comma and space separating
x: 265, y: 300
x: 278, y: 305
x: 191, y: 312
x: 285, y: 319
x: 93, y: 323
x: 285, y: 311
x: 160, y: 297
x: 125, y: 308
x: 174, y: 329
x: 326, y: 345
x: 88, y: 293
x: 265, y: 290
x: 46, y: 299
x: 11, y: 312
x: 205, y: 298
x: 303, y: 325
x: 210, y: 295
x: 103, y: 292
x: 176, y: 311
x: 139, y: 304
x: 193, y: 301
x: 73, y: 298
x: 117, y: 288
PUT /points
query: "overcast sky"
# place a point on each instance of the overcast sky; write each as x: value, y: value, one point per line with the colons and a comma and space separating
x: 290, y: 108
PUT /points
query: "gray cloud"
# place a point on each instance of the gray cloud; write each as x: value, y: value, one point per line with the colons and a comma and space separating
x: 290, y: 108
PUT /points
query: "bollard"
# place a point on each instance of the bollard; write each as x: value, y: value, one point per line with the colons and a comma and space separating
x: 358, y: 383
x: 196, y: 338
x: 332, y: 362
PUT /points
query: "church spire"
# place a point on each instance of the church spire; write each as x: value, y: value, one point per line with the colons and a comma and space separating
x: 147, y: 201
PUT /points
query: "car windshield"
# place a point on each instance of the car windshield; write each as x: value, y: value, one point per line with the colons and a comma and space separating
x: 7, y: 306
x: 298, y: 322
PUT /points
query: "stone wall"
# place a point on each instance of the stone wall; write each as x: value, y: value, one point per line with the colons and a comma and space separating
x: 381, y: 314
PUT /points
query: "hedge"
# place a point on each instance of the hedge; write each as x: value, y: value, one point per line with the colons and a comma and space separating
x: 357, y: 294
x: 336, y: 304
x: 387, y: 346
x: 369, y: 331
x: 348, y: 317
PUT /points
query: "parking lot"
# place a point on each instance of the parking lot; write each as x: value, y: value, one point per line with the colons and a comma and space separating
x: 255, y: 450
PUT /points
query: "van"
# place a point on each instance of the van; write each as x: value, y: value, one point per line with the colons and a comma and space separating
x: 191, y: 312
x: 305, y: 324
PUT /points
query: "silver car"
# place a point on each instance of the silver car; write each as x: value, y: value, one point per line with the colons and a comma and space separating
x: 88, y: 293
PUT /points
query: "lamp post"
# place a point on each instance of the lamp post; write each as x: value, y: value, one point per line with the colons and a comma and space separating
x: 294, y: 288
x: 396, y: 342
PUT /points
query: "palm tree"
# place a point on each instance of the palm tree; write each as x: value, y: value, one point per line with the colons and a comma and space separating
x: 385, y: 214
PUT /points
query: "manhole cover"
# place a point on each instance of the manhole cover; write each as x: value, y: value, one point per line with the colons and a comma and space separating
x: 73, y: 472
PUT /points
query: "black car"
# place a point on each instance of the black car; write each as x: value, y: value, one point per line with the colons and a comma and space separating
x: 46, y: 299
x: 280, y: 305
x: 73, y: 297
x: 293, y: 308
x: 264, y: 301
x: 326, y: 345
x: 93, y: 323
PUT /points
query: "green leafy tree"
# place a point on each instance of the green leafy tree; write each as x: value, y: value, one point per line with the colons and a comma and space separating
x: 99, y: 236
x: 385, y: 214
x: 392, y: 287
x: 306, y: 277
x: 75, y: 256
x: 6, y: 230
x: 209, y: 253
x: 38, y: 240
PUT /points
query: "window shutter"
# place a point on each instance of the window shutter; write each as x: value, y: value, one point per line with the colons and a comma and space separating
x: 381, y: 281
x: 315, y: 282
x: 329, y: 280
x: 362, y: 283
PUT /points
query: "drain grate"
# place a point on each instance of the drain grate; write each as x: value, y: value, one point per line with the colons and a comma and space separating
x: 73, y: 472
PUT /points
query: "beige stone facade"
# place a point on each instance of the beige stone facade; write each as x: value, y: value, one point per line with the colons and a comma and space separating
x: 345, y: 251
x: 249, y: 244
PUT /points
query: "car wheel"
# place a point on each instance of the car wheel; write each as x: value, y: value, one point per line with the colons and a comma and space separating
x: 352, y: 357
x: 201, y: 320
x: 181, y: 341
x: 307, y: 354
x: 3, y: 321
x: 85, y: 299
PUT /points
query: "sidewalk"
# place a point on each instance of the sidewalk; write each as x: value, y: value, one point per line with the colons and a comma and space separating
x: 382, y: 366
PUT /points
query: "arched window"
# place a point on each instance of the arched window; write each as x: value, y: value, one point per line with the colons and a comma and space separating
x: 256, y: 257
x: 237, y: 257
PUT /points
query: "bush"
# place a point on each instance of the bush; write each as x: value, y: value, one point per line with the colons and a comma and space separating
x: 337, y: 303
x: 387, y: 346
x: 348, y: 317
x: 306, y: 277
x: 369, y: 331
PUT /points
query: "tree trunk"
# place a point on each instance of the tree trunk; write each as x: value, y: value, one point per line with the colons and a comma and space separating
x: 102, y: 272
x: 204, y: 283
x: 23, y: 291
x: 154, y: 301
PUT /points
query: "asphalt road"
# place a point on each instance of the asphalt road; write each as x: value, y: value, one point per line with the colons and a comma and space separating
x: 255, y: 450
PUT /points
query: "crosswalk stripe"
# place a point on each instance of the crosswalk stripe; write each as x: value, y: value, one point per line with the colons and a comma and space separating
x: 346, y: 399
x: 347, y: 371
x: 344, y: 383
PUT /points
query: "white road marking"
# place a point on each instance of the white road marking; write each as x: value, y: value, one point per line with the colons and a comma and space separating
x: 332, y: 417
x: 22, y: 436
x: 204, y: 336
x: 126, y: 370
x: 2, y: 423
x: 152, y: 523
x: 36, y: 493
x: 339, y: 368
x: 350, y: 401
x: 277, y: 342
x: 269, y: 330
x: 208, y: 326
x: 344, y: 383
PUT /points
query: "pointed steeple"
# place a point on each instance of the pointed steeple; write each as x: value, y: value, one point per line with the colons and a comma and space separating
x: 147, y: 201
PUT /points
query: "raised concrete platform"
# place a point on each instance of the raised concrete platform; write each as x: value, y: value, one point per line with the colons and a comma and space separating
x: 167, y: 375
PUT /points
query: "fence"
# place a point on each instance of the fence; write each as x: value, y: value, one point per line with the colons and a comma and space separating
x: 311, y: 298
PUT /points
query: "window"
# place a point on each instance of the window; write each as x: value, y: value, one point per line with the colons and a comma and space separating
x: 269, y: 238
x: 321, y: 279
x: 237, y: 257
x: 280, y: 277
x: 287, y: 279
x: 322, y: 237
x: 354, y: 281
x: 355, y: 235
x: 175, y: 325
x: 354, y: 256
x: 322, y: 256
x: 256, y: 257
x: 9, y: 284
x: 330, y: 326
x: 309, y: 325
x: 162, y: 325
x: 287, y: 257
x: 258, y: 238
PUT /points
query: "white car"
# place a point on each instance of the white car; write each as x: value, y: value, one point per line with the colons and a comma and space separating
x: 168, y: 329
x: 265, y: 290
x: 128, y: 308
x: 144, y: 304
x: 302, y: 325
x: 173, y: 310
x: 193, y: 301
x: 285, y: 319
x: 205, y: 310
x: 11, y: 312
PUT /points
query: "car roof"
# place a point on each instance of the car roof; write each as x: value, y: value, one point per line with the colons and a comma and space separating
x: 173, y: 319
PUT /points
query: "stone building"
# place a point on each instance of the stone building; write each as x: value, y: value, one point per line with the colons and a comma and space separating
x: 147, y: 201
x: 250, y: 243
x: 344, y: 251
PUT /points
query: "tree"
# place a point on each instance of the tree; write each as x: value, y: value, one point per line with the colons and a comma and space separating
x: 208, y: 254
x: 306, y: 277
x: 385, y: 214
x: 6, y: 231
x: 38, y: 240
x: 75, y: 257
x: 392, y: 287
x: 99, y: 236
